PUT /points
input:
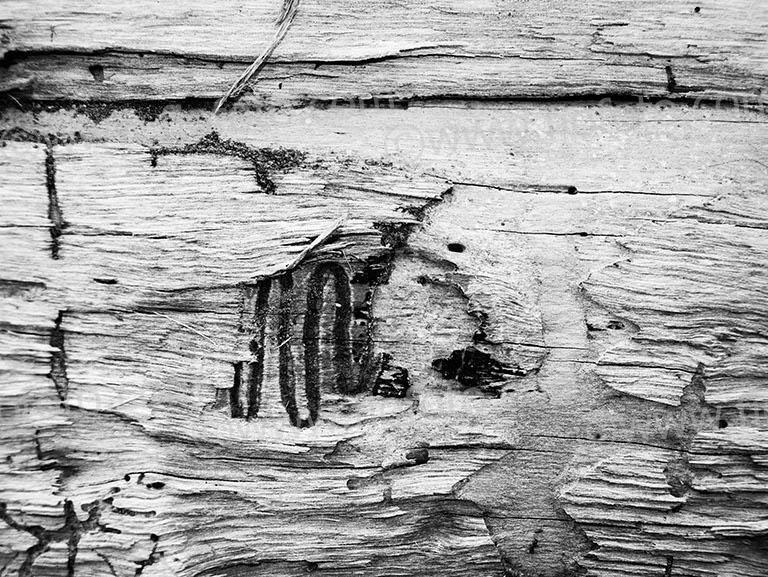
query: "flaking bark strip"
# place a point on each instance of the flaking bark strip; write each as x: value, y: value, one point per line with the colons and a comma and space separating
x: 265, y: 161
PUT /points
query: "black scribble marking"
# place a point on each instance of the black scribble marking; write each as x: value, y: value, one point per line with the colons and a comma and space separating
x: 256, y: 366
x: 70, y: 533
x: 286, y: 375
x: 311, y: 338
x: 342, y: 358
x: 235, y: 406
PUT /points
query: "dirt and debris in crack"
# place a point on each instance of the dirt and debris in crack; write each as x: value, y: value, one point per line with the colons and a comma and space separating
x: 99, y: 110
x: 265, y: 161
x: 19, y: 134
x: 58, y: 362
x: 58, y: 224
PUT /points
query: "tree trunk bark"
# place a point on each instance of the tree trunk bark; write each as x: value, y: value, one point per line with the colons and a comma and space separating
x: 455, y: 289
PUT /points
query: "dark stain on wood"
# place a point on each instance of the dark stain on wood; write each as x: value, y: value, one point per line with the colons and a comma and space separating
x: 391, y: 380
x: 471, y: 367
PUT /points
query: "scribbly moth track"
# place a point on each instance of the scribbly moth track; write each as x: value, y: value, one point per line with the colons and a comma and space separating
x: 307, y: 337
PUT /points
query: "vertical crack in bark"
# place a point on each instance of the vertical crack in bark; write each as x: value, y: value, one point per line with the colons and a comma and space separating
x: 671, y: 80
x: 150, y: 560
x: 54, y: 209
x: 58, y: 363
x: 668, y: 567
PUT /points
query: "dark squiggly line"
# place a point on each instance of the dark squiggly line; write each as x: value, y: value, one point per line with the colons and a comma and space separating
x: 342, y: 358
x: 284, y: 334
x: 256, y: 366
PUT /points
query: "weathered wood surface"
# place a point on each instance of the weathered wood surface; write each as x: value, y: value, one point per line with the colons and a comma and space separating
x: 147, y: 50
x: 576, y: 293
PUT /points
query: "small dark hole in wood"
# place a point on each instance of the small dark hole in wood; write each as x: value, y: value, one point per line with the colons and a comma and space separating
x: 155, y: 485
x: 127, y: 478
x: 722, y: 424
x: 105, y: 280
x: 420, y: 456
x: 697, y: 9
x: 154, y: 538
x: 456, y: 247
x: 97, y: 71
x: 583, y: 234
x: 354, y: 483
x: 598, y: 436
x: 572, y: 190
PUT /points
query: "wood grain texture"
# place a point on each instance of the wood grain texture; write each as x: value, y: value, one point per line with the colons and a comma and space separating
x: 548, y: 426
x: 146, y: 50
